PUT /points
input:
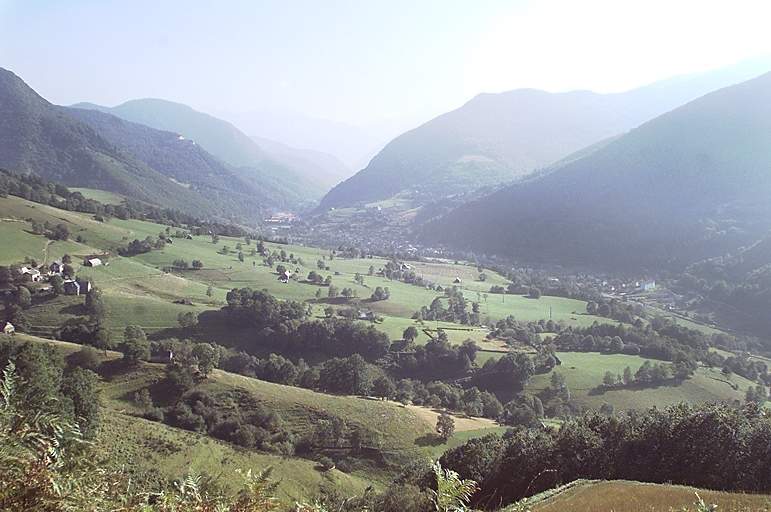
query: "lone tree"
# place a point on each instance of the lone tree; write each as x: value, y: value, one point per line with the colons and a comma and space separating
x: 445, y: 426
x: 94, y: 304
x: 534, y: 293
x: 383, y: 388
x: 135, y: 347
x: 410, y: 333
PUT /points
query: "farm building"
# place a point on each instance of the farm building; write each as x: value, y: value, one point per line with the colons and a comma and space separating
x: 164, y: 356
x: 9, y: 329
x: 457, y: 280
x: 57, y: 267
x: 32, y: 274
x: 73, y: 287
x: 366, y: 315
x: 285, y: 276
x: 92, y: 262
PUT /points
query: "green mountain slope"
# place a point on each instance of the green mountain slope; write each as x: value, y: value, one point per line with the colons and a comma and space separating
x: 183, y: 161
x: 497, y: 138
x: 690, y: 184
x: 36, y: 136
x: 294, y: 184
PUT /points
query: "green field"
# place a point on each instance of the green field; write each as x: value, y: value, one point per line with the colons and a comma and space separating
x: 584, y: 371
x: 138, y: 291
x: 625, y: 496
x: 99, y: 195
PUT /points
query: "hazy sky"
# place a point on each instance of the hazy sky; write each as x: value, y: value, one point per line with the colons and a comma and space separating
x: 364, y: 61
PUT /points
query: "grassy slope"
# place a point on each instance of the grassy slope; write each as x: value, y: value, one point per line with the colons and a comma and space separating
x: 146, y: 446
x: 102, y: 196
x: 584, y: 372
x: 624, y: 496
x: 403, y: 430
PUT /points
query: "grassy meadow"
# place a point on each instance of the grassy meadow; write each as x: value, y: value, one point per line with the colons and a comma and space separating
x: 625, y: 496
x: 138, y: 291
x: 584, y: 371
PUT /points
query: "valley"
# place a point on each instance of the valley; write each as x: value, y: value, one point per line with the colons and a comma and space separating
x: 548, y: 291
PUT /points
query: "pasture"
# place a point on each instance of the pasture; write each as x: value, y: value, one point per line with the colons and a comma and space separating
x: 139, y: 291
x: 102, y: 196
x: 626, y: 496
x: 583, y: 372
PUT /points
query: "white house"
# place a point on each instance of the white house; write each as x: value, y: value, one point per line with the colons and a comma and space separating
x: 34, y: 274
x: 9, y: 329
x: 92, y: 262
x: 57, y: 267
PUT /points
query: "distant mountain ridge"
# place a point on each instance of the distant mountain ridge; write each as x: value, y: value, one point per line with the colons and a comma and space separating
x: 498, y: 138
x: 691, y: 184
x: 182, y: 160
x: 41, y: 138
x: 88, y: 148
x: 327, y: 169
x: 297, y: 174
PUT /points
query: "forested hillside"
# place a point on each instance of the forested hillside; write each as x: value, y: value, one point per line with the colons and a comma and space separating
x: 690, y: 184
x: 496, y: 138
x: 291, y: 178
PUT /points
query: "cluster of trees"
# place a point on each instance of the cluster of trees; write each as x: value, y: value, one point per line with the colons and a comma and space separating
x: 47, y: 385
x: 650, y: 374
x: 513, y: 331
x: 659, y: 339
x: 354, y: 375
x: 752, y: 369
x: 627, y: 312
x: 233, y: 416
x: 333, y: 435
x: 142, y: 246
x: 380, y: 293
x: 282, y: 326
x: 182, y: 264
x: 260, y: 309
x: 317, y: 279
x: 58, y: 231
x: 709, y: 446
x: 510, y: 373
x: 397, y: 271
x: 555, y: 401
x: 455, y: 311
x: 438, y: 359
x: 89, y: 329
